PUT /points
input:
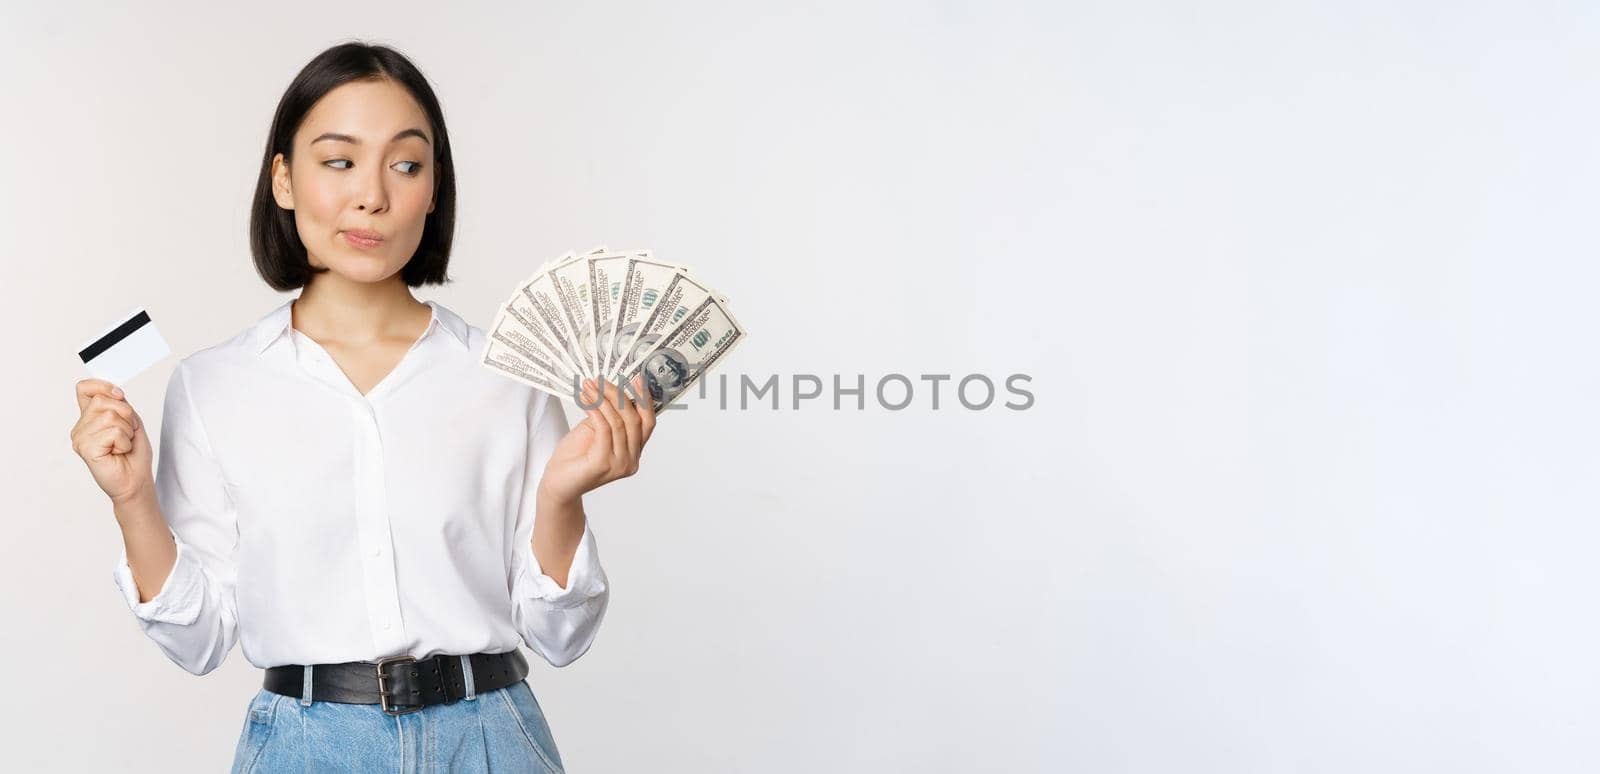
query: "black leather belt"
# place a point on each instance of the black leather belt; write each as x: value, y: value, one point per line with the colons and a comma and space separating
x: 400, y: 684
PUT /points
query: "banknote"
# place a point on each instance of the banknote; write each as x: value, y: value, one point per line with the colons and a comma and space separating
x: 642, y: 283
x: 502, y: 358
x: 694, y: 346
x: 519, y: 320
x: 571, y: 281
x: 613, y: 315
x: 524, y: 310
x: 605, y: 284
x: 682, y: 294
x: 508, y: 332
x: 547, y: 314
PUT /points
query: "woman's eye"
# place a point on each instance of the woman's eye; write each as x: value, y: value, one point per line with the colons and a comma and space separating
x: 416, y: 167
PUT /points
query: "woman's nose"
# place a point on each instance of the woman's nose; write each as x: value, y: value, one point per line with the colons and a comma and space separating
x: 371, y: 197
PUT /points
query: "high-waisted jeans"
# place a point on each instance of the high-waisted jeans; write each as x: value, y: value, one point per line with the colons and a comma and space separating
x: 500, y: 731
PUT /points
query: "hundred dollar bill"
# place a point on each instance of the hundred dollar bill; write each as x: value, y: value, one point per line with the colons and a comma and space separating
x: 642, y: 283
x: 511, y: 333
x: 500, y: 357
x: 571, y: 283
x: 704, y: 337
x: 519, y: 316
x: 521, y: 349
x: 681, y: 295
x: 536, y: 337
x: 549, y: 317
x: 605, y: 283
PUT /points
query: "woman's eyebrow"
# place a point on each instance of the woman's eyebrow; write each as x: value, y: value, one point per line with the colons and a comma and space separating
x: 412, y: 132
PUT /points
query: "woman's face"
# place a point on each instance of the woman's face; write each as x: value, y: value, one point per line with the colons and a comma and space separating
x: 362, y: 162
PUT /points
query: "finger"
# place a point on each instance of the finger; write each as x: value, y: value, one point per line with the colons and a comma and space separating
x: 98, y: 415
x: 630, y: 425
x: 129, y: 416
x: 601, y: 448
x: 647, y: 411
x: 105, y: 420
x: 121, y: 408
x: 112, y: 440
x: 88, y: 388
x: 619, y: 428
x: 81, y: 426
x: 619, y: 435
x: 123, y: 442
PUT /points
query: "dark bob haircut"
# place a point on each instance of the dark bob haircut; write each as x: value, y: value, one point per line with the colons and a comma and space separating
x: 279, y: 255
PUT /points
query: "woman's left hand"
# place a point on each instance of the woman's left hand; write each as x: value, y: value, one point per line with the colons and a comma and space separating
x: 602, y: 448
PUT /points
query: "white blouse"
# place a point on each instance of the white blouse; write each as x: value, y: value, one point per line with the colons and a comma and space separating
x: 315, y: 525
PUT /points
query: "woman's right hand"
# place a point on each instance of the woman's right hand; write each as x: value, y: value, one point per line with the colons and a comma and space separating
x: 111, y: 439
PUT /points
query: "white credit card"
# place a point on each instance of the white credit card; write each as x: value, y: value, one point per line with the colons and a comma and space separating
x: 127, y: 346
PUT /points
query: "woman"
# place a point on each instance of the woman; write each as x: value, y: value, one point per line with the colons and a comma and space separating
x: 377, y: 519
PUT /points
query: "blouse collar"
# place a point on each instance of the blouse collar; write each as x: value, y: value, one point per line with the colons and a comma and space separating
x: 276, y: 324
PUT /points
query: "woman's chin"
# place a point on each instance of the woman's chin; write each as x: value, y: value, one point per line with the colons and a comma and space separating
x: 364, y: 270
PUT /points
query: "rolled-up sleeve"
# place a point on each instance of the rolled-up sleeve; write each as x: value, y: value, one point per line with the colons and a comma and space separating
x: 193, y: 617
x: 557, y: 623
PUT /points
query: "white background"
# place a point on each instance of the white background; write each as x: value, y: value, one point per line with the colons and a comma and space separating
x: 1308, y: 484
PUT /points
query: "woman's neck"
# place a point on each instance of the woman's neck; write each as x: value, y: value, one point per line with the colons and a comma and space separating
x: 334, y: 309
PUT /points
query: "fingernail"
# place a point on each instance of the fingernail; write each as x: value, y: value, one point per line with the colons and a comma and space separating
x: 117, y: 391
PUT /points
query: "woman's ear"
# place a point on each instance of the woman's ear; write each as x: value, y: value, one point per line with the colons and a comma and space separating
x: 282, y: 192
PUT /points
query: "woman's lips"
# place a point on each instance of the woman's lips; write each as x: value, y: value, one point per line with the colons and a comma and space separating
x: 361, y: 242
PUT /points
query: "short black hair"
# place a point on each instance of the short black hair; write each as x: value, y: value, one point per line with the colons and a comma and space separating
x: 279, y: 255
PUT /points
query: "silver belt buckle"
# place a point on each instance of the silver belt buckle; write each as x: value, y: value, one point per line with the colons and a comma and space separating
x: 383, y: 687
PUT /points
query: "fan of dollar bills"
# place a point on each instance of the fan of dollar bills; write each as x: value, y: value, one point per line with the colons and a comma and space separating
x: 611, y: 315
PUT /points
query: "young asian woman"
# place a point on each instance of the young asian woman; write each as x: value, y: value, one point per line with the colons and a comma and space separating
x: 378, y: 521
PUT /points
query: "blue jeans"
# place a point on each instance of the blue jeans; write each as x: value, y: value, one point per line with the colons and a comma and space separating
x: 500, y: 731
